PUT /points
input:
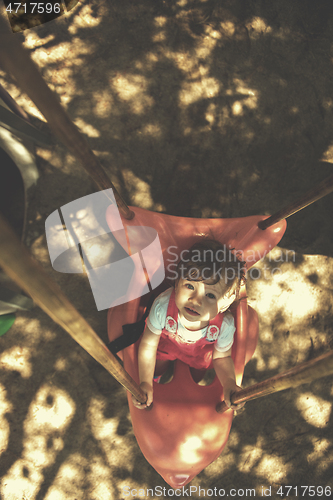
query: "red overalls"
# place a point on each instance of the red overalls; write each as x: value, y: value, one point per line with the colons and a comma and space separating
x: 197, y: 354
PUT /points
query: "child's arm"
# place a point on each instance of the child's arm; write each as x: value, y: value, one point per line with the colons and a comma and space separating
x: 147, y: 361
x: 225, y: 370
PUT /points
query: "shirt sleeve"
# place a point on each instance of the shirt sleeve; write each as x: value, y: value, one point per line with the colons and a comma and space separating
x: 226, y: 335
x: 158, y: 312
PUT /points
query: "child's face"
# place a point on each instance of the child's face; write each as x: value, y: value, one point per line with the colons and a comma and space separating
x: 197, y: 301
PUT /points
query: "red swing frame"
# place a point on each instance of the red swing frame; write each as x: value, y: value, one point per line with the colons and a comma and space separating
x: 182, y: 433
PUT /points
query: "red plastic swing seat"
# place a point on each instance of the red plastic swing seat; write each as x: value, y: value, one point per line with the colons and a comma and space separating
x: 182, y: 433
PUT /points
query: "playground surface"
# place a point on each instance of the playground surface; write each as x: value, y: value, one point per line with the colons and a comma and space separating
x: 198, y: 109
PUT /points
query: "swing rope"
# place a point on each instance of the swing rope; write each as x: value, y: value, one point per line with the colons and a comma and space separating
x: 303, y: 373
x: 31, y: 277
x: 324, y: 188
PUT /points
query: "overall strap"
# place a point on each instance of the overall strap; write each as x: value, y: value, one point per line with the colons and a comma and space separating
x: 172, y: 315
x: 172, y: 308
x: 214, y: 327
x: 217, y: 321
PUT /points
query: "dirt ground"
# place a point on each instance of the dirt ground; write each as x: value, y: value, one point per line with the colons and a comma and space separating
x: 195, y: 108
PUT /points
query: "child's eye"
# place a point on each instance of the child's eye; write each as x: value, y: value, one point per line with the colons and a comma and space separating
x: 189, y: 286
x: 211, y: 296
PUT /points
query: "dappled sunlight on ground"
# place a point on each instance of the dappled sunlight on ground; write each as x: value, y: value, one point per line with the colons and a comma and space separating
x: 45, y: 424
x: 17, y: 359
x: 289, y: 291
x: 5, y: 407
x: 278, y: 469
x: 314, y: 410
x: 140, y: 192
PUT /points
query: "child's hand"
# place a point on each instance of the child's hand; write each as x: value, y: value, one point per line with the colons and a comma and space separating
x: 147, y: 389
x: 228, y: 391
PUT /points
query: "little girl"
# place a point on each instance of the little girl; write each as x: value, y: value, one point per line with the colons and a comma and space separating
x: 190, y: 322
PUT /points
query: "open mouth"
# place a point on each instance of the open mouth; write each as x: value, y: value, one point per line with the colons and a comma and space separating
x: 192, y: 312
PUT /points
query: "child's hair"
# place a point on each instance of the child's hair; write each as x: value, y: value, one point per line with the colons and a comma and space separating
x: 210, y: 261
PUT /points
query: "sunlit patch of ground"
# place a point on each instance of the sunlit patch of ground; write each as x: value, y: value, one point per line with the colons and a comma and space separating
x: 290, y: 298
